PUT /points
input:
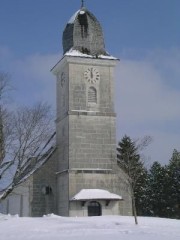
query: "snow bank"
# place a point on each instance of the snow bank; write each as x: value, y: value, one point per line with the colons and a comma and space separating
x: 96, y: 228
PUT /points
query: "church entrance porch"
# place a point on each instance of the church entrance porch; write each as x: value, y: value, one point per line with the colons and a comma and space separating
x: 94, y: 202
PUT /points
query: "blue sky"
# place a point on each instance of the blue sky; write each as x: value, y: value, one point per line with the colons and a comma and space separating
x: 144, y: 34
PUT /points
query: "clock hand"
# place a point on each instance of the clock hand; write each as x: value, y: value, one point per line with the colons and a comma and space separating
x: 91, y: 73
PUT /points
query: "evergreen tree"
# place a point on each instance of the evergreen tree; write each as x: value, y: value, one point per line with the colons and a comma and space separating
x: 141, y: 194
x: 174, y: 185
x: 163, y: 189
x: 157, y: 191
x: 130, y: 162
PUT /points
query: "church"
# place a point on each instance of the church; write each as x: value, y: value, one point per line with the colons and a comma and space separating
x: 81, y: 177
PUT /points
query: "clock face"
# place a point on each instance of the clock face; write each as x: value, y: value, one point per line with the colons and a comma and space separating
x: 62, y: 79
x: 92, y: 75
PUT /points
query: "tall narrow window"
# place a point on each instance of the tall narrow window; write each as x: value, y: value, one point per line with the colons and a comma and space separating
x: 92, y: 95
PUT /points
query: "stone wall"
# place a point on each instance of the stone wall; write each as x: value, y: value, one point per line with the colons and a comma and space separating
x: 78, y: 85
x: 19, y: 201
x: 92, y: 142
x: 63, y: 193
x: 77, y: 210
x: 44, y: 188
x: 114, y: 182
x: 86, y: 137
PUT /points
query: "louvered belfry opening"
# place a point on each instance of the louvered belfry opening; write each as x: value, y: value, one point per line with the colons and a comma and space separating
x: 92, y: 95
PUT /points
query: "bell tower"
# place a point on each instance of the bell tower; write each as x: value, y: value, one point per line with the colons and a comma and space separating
x: 86, y: 119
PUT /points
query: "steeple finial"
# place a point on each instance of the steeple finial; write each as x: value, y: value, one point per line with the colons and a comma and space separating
x: 82, y: 3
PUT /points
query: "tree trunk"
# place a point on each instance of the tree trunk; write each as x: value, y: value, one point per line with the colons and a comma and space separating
x: 134, y: 207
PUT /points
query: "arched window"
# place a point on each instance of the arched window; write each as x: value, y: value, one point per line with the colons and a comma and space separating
x: 94, y: 209
x: 92, y: 95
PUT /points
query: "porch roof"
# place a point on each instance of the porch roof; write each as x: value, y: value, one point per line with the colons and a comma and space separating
x: 95, y: 194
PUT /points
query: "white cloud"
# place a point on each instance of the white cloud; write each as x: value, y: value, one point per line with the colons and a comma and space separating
x: 143, y: 96
x: 147, y: 101
x: 162, y: 146
x: 30, y: 76
x: 147, y: 94
x: 34, y: 76
x: 5, y: 53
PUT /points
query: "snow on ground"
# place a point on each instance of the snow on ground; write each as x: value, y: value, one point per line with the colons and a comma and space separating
x: 96, y: 228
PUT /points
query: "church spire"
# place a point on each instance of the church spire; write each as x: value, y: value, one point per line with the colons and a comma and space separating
x: 82, y: 3
x: 83, y: 33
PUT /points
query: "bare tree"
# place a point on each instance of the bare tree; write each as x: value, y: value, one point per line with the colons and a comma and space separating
x: 26, y: 136
x: 129, y: 160
x: 5, y: 87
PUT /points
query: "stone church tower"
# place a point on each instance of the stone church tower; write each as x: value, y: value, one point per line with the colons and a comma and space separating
x: 87, y: 182
x: 81, y: 176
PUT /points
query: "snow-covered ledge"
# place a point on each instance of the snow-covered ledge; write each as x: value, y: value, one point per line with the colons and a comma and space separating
x: 75, y: 53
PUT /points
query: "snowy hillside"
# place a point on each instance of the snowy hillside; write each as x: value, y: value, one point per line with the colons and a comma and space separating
x: 96, y: 228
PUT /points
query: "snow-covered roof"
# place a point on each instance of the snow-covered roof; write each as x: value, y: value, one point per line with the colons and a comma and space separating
x: 95, y: 194
x: 76, y: 53
x: 83, y: 32
x: 72, y: 19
